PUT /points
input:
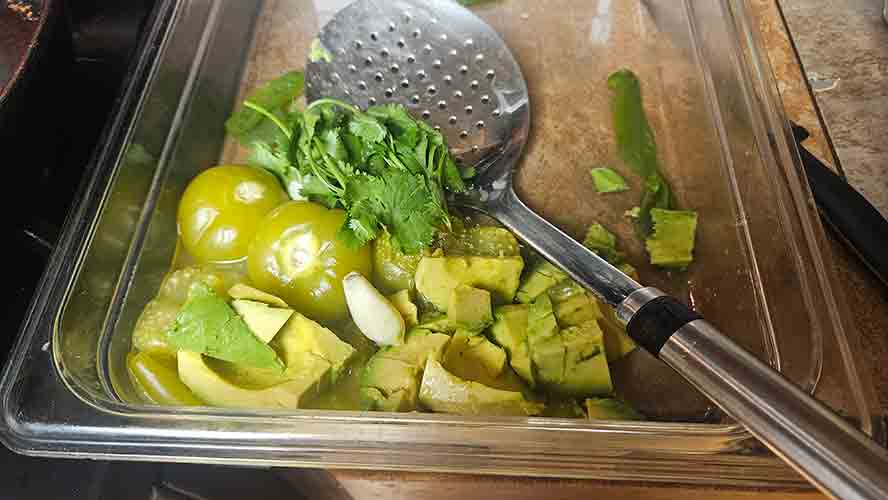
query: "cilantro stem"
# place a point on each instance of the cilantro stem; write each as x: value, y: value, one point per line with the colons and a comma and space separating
x: 320, y: 102
x: 264, y: 112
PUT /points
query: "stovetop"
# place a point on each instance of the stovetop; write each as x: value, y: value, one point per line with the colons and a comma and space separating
x: 96, y: 42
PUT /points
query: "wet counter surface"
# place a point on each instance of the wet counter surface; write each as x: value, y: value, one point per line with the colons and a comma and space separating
x: 867, y: 299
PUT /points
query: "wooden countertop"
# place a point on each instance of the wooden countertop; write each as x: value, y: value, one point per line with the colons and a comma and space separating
x: 867, y: 298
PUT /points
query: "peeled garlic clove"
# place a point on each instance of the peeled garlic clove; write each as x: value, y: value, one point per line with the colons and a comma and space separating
x: 373, y: 314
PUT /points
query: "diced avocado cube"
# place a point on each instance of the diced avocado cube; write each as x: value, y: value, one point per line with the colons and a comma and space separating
x: 672, y: 242
x: 603, y: 242
x: 389, y: 385
x: 406, y: 307
x: 442, y: 391
x: 390, y: 380
x: 473, y: 357
x: 214, y: 389
x: 611, y: 409
x: 570, y: 361
x: 576, y: 310
x: 264, y: 321
x: 437, y: 322
x: 541, y: 277
x: 436, y: 277
x: 509, y: 330
x: 302, y: 335
x: 617, y: 342
x: 585, y: 363
x: 470, y: 307
x: 246, y: 292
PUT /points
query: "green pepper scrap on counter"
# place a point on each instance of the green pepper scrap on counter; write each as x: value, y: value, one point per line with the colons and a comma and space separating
x: 638, y: 148
x: 388, y: 171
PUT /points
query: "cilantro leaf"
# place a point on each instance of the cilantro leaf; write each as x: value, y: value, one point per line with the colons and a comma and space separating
x: 367, y: 128
x: 274, y: 96
x: 608, y: 181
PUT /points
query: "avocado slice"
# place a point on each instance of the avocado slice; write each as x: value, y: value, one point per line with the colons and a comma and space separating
x: 214, y: 389
x: 509, y: 330
x: 473, y: 357
x: 390, y: 380
x: 442, y: 391
x: 571, y: 361
x: 610, y: 409
x: 264, y: 321
x: 406, y: 307
x: 470, y: 308
x: 246, y: 292
x: 301, y: 335
x: 436, y: 277
x: 542, y: 276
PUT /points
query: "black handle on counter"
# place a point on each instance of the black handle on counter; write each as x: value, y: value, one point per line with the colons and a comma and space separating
x: 844, y: 209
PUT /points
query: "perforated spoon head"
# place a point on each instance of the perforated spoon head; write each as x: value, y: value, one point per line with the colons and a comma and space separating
x: 444, y: 64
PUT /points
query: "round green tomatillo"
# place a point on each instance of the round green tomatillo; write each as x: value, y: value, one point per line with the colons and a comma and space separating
x: 221, y: 210
x: 297, y: 256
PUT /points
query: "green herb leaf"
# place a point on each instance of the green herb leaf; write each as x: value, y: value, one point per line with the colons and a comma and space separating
x: 367, y: 128
x: 608, y: 181
x: 208, y: 325
x: 274, y: 96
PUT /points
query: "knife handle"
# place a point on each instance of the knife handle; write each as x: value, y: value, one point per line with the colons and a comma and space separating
x: 844, y: 209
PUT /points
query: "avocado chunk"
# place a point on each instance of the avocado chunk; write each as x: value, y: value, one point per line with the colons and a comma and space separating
x: 672, y: 242
x: 542, y: 276
x: 246, y: 292
x: 437, y: 322
x: 264, y: 321
x: 390, y: 380
x: 617, y: 342
x: 301, y: 335
x: 570, y: 362
x: 509, y: 330
x: 572, y: 305
x: 314, y: 357
x: 610, y: 409
x: 389, y: 385
x: 444, y: 392
x: 470, y: 307
x: 406, y: 307
x: 436, y: 277
x: 473, y: 357
x: 206, y: 324
x: 214, y: 389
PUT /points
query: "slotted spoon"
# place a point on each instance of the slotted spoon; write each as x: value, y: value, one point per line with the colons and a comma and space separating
x: 452, y: 70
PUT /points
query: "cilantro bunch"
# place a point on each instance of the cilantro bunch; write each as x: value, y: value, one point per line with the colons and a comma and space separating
x: 387, y: 170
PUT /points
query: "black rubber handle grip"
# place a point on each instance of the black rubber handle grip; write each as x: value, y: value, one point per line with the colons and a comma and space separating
x: 844, y: 209
x: 657, y: 320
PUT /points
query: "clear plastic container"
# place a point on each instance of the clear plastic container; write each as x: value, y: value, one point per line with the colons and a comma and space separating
x: 760, y: 273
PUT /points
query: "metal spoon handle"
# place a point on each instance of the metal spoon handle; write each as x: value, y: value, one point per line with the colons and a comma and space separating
x: 825, y: 449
